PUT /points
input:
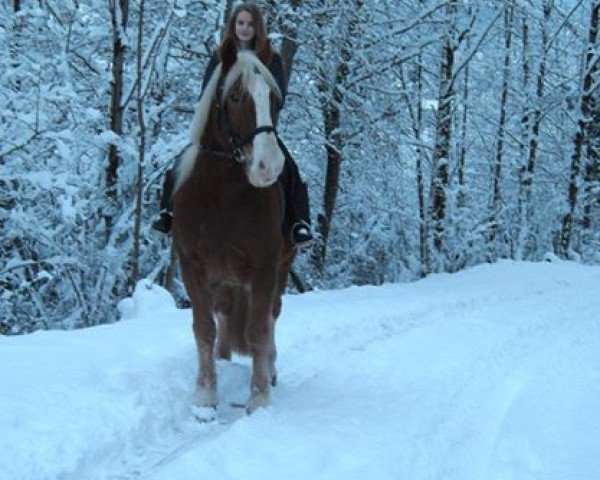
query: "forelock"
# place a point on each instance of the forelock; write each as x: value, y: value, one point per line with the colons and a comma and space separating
x: 245, y: 66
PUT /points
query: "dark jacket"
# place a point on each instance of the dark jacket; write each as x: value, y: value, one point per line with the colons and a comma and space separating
x: 275, y: 67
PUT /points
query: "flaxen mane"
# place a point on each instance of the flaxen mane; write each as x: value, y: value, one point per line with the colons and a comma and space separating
x: 198, y: 125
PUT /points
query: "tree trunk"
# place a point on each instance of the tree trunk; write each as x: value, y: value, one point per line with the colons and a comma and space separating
x: 413, y: 97
x: 141, y: 153
x: 119, y: 10
x: 423, y: 220
x: 334, y: 141
x: 461, y: 199
x: 289, y: 45
x: 495, y: 221
x: 525, y: 133
x: 443, y: 136
x: 227, y: 9
x: 581, y: 136
x: 333, y: 147
x: 524, y: 241
x: 288, y: 27
x: 591, y: 179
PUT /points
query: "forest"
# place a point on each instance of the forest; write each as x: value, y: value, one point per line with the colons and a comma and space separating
x: 434, y: 135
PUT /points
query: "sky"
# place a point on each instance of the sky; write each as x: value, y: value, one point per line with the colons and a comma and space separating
x: 492, y: 373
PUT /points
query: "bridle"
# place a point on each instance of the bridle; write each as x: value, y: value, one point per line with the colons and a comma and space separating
x: 236, y: 145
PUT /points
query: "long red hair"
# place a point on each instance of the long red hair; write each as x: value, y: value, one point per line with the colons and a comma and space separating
x: 260, y: 42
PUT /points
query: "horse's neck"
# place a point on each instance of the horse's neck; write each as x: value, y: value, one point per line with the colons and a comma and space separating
x: 212, y: 137
x: 212, y: 141
x: 220, y: 175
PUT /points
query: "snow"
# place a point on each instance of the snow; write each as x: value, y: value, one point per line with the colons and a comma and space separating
x: 490, y: 374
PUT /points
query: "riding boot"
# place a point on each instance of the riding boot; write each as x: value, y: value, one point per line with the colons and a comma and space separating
x: 165, y: 219
x: 297, y: 208
x: 301, y: 232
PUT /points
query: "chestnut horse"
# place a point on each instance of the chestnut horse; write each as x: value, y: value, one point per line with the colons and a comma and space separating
x: 227, y: 224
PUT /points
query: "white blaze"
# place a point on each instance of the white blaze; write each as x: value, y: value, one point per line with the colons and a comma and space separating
x: 267, y: 159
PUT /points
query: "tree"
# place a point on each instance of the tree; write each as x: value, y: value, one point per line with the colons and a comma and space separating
x: 443, y: 138
x: 119, y: 15
x: 532, y: 120
x: 368, y: 118
x: 495, y: 222
x: 585, y: 126
x: 286, y: 18
x: 332, y: 99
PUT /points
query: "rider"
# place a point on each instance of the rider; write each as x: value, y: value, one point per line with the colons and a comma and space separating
x: 246, y: 26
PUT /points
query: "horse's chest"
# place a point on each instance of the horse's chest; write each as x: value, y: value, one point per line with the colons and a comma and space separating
x: 228, y: 238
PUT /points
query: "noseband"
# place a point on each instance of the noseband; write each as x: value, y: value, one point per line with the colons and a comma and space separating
x: 238, y: 145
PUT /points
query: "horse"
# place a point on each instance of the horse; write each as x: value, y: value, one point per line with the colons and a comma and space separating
x: 227, y: 225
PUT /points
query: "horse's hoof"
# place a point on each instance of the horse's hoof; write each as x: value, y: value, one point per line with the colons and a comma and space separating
x: 274, y: 380
x: 205, y: 397
x: 204, y: 414
x: 256, y: 401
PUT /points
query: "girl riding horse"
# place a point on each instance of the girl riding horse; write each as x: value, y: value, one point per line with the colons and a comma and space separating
x: 246, y: 29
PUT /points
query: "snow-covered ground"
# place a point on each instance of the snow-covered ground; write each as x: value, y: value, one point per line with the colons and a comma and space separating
x: 489, y: 374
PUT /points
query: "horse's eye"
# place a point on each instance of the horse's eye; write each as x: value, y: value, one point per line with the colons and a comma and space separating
x: 235, y: 97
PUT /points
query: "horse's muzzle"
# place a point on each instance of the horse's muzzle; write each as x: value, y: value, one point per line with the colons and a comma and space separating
x: 267, y: 161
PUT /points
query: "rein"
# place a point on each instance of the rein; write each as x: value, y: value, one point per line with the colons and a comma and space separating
x: 235, y: 151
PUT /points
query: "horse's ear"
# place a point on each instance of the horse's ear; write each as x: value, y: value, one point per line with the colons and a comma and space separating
x: 264, y: 52
x: 228, y: 53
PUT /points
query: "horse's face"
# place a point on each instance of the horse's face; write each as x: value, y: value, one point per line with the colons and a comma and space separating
x: 251, y: 104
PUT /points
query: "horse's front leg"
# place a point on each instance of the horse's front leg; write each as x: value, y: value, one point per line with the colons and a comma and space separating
x: 206, y: 381
x: 261, y: 342
x: 205, y: 395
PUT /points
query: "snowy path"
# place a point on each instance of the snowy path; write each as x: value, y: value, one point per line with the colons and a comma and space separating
x: 489, y: 374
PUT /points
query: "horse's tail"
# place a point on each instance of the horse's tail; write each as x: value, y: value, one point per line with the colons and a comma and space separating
x: 232, y: 303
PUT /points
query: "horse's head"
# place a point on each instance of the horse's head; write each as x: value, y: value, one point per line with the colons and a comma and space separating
x: 240, y: 115
x: 249, y: 106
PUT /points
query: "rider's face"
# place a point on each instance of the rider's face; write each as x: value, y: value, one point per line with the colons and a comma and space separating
x: 244, y: 28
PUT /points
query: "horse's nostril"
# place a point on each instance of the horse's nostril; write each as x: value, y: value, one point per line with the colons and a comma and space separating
x: 261, y: 165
